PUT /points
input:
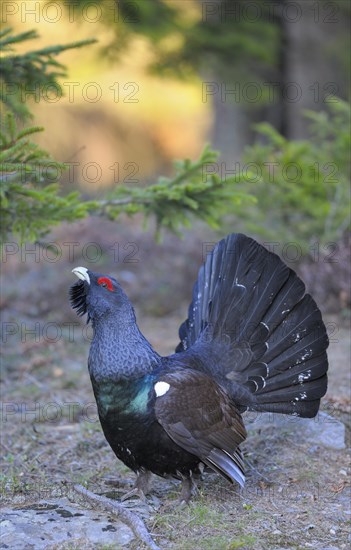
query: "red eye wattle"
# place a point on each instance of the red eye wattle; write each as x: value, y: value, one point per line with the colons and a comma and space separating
x: 105, y: 282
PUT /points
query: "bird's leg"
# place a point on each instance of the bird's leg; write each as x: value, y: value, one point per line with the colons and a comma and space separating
x: 188, y: 486
x: 185, y: 494
x: 141, y: 486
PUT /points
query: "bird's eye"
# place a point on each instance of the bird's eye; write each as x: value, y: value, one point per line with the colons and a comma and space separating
x: 105, y: 282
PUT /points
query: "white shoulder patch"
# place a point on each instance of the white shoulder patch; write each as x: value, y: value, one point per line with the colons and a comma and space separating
x: 161, y: 388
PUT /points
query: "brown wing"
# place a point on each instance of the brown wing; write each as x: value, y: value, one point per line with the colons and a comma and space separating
x: 198, y: 415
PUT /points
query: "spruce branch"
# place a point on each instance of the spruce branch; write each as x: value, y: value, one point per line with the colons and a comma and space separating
x: 33, y: 70
x: 173, y: 201
x: 30, y: 203
x: 311, y: 201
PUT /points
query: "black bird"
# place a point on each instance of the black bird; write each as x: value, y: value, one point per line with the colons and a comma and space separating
x: 253, y: 340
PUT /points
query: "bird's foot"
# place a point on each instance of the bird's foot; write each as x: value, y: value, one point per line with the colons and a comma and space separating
x: 187, y: 490
x: 141, y: 486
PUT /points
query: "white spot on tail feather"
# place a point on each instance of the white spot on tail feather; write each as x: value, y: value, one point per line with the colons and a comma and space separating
x: 161, y: 388
x: 304, y: 376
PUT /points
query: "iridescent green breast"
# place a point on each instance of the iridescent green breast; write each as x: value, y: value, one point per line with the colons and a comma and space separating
x: 125, y: 397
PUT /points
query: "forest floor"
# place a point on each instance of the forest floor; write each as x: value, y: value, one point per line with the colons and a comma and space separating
x: 297, y: 493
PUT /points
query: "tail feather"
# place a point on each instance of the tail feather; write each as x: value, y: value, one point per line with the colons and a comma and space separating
x: 314, y: 390
x: 297, y: 353
x: 290, y: 294
x: 303, y: 320
x: 268, y: 334
x: 306, y: 409
x: 306, y: 370
x: 299, y: 375
x: 230, y: 466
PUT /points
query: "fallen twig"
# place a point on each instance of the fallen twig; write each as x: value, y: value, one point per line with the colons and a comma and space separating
x: 132, y: 520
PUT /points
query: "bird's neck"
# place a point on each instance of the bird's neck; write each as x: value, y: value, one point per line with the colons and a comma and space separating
x: 120, y: 351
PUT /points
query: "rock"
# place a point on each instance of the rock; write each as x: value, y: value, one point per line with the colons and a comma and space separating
x: 57, y: 522
x: 322, y: 430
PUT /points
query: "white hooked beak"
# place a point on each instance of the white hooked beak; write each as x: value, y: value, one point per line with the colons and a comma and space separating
x: 82, y: 274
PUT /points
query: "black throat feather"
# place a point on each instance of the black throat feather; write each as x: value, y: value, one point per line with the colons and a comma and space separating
x: 78, y: 299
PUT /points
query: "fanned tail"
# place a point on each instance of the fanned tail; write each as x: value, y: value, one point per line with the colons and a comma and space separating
x: 264, y: 338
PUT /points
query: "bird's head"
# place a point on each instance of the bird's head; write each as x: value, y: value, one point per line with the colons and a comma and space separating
x: 98, y: 295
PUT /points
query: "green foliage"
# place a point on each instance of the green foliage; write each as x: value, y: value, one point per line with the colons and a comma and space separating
x: 30, y: 195
x: 31, y: 204
x: 302, y: 186
x: 194, y: 190
x: 29, y: 73
x: 30, y: 201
